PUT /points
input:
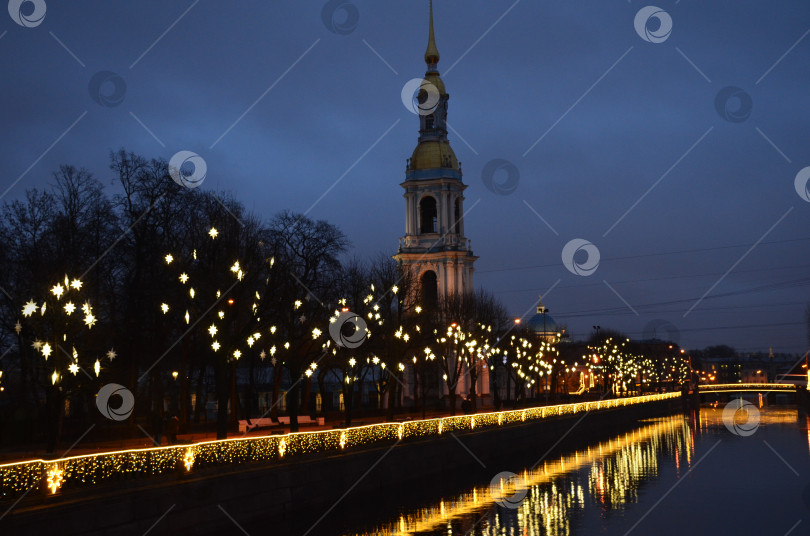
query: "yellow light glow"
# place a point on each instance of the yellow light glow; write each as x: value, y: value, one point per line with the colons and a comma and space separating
x: 188, y: 459
x: 55, y: 478
x: 69, y: 308
x: 215, y: 345
x: 58, y: 290
x: 46, y: 350
x: 169, y: 259
x: 73, y: 368
x: 164, y: 307
x: 29, y: 308
x: 237, y: 354
x: 97, y: 367
x: 76, y: 284
x: 213, y: 232
x: 212, y: 330
x: 183, y: 278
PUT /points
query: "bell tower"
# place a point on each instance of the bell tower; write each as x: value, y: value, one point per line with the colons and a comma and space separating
x: 434, y: 249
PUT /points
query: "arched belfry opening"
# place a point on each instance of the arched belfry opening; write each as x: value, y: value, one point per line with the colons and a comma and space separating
x: 430, y: 289
x: 428, y: 215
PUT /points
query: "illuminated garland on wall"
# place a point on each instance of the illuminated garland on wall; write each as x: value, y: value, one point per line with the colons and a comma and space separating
x: 81, y: 471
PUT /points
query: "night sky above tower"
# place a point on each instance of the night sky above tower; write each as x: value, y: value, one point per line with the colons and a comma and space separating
x: 642, y: 168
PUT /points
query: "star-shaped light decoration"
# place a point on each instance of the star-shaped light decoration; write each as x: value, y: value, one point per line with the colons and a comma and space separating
x: 262, y: 355
x: 164, y: 307
x: 18, y: 327
x: 90, y: 320
x: 212, y: 330
x: 302, y: 318
x: 188, y: 459
x: 46, y: 350
x: 316, y: 333
x: 58, y: 290
x: 215, y: 345
x: 54, y: 377
x: 111, y: 354
x: 213, y: 232
x: 76, y: 284
x: 183, y: 278
x: 73, y: 368
x: 69, y: 308
x: 250, y: 341
x: 37, y: 345
x: 237, y: 354
x: 168, y: 258
x: 55, y: 478
x: 29, y: 308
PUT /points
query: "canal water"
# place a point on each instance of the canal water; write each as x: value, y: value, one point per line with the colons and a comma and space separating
x: 669, y: 476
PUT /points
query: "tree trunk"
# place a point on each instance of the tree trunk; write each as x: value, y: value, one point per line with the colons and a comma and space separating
x: 223, y: 395
x: 278, y: 375
x: 293, y: 402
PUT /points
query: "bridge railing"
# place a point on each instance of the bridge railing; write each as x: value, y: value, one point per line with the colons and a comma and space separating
x: 742, y: 387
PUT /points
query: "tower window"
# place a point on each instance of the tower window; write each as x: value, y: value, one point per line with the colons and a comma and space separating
x: 428, y: 222
x: 457, y: 225
x: 430, y: 289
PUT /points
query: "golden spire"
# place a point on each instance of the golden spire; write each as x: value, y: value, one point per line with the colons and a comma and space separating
x: 432, y: 53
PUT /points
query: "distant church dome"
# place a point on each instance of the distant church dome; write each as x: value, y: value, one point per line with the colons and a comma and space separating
x: 542, y: 323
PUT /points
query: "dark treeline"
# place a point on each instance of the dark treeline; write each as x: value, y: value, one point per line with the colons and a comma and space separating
x: 194, y: 305
x: 163, y: 288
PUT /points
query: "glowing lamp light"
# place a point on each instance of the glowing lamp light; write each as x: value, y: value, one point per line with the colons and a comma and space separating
x: 76, y: 284
x: 237, y: 354
x: 213, y: 232
x: 169, y: 259
x: 230, y: 301
x: 97, y: 367
x: 164, y: 307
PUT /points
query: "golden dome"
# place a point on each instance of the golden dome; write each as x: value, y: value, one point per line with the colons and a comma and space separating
x: 433, y: 154
x: 434, y: 78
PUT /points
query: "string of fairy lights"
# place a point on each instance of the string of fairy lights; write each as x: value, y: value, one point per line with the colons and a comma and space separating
x: 94, y: 469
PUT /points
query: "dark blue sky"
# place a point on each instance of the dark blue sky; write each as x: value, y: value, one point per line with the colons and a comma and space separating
x: 616, y: 116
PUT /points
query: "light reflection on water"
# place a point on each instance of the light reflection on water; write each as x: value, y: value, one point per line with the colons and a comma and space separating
x: 604, y: 480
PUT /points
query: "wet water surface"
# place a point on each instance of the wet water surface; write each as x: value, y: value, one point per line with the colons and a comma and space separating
x: 675, y: 475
